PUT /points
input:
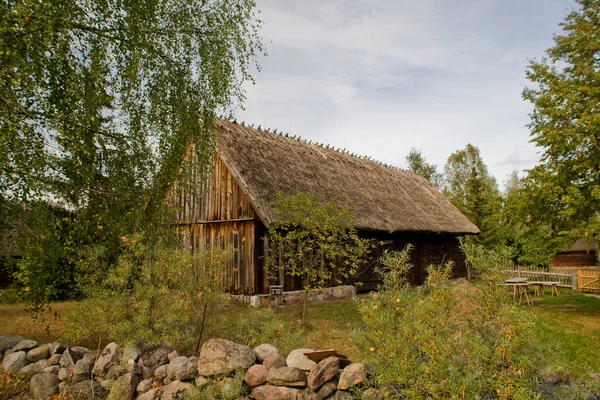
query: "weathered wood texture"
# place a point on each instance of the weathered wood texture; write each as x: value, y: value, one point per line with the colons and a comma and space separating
x: 218, y: 215
x: 574, y: 259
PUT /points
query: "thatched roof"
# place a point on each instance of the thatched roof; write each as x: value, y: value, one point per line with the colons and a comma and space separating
x: 382, y: 198
x: 584, y: 244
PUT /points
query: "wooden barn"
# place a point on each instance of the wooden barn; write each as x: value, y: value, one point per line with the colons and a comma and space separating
x: 581, y: 253
x: 250, y: 165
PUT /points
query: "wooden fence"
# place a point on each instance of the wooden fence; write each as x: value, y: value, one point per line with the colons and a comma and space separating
x: 564, y: 280
x: 582, y: 279
x: 588, y: 280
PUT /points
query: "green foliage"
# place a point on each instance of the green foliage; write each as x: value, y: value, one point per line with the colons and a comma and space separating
x: 151, y: 297
x: 13, y: 385
x: 445, y: 340
x: 470, y: 187
x: 564, y: 188
x: 419, y: 165
x: 99, y: 102
x: 315, y: 239
x: 223, y: 388
x: 311, y: 240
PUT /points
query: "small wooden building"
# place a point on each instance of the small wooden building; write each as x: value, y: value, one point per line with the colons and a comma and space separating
x: 250, y: 165
x: 581, y: 253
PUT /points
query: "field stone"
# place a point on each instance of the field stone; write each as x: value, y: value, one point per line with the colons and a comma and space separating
x: 15, y: 361
x: 84, y: 389
x: 173, y: 391
x: 63, y: 374
x: 268, y: 392
x: 352, y: 375
x: 181, y: 369
x: 109, y: 357
x: 201, y: 382
x: 325, y: 370
x: 25, y: 345
x: 134, y: 367
x: 80, y: 351
x: 160, y: 372
x: 297, y: 359
x: 8, y: 342
x: 143, y: 386
x: 125, y: 385
x: 167, y: 380
x: 39, y: 353
x: 82, y: 370
x: 53, y: 369
x: 264, y: 350
x: 172, y: 355
x: 62, y: 386
x: 69, y: 358
x: 275, y: 360
x: 149, y: 395
x: 57, y: 348
x: 340, y: 395
x: 256, y: 375
x: 35, y: 368
x: 194, y: 359
x: 54, y: 360
x: 43, y: 385
x: 286, y: 376
x: 219, y: 356
x: 154, y: 358
x: 326, y: 390
x: 107, y: 384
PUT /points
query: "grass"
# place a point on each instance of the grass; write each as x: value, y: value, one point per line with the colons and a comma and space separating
x: 569, y: 325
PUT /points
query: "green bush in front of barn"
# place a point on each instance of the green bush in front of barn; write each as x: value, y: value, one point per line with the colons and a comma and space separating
x: 448, y: 339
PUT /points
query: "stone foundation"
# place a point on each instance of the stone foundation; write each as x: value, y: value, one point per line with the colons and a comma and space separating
x: 295, y: 297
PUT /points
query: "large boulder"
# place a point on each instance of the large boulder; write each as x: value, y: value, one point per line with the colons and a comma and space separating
x: 25, y: 345
x: 181, y: 369
x: 265, y: 350
x: 8, y: 342
x: 109, y: 357
x: 35, y: 368
x: 154, y: 358
x: 86, y: 390
x: 149, y: 395
x: 161, y: 373
x: 43, y: 386
x: 297, y: 359
x: 268, y: 392
x: 325, y: 370
x: 275, y: 360
x: 219, y: 356
x: 286, y: 376
x: 143, y: 386
x: 352, y: 375
x: 39, y: 353
x: 124, y: 388
x: 256, y: 375
x: 15, y: 361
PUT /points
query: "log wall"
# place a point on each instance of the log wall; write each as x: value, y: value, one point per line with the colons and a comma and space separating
x: 218, y: 215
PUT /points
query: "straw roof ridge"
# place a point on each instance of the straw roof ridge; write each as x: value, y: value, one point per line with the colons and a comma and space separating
x: 322, y: 145
x: 381, y: 197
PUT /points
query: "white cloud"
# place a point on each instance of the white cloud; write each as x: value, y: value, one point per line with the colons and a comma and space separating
x: 381, y: 77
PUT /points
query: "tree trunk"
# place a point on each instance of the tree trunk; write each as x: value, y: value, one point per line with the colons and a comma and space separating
x: 304, y: 308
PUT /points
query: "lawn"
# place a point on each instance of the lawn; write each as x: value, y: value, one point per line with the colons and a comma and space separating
x: 569, y: 325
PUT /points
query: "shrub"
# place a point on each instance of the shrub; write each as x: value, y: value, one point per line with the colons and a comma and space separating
x: 12, y: 385
x: 444, y: 339
x: 151, y: 297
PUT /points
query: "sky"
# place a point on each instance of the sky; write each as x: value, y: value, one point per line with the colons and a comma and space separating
x: 379, y: 77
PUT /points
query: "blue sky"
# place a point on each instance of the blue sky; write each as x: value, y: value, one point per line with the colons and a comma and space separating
x: 380, y: 77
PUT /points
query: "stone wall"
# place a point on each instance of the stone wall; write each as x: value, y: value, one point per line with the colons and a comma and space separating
x: 161, y: 373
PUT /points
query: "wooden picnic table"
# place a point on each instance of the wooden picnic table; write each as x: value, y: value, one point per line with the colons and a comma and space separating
x: 539, y: 287
x: 520, y: 286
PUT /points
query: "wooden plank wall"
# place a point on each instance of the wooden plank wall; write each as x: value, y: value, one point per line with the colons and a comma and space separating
x: 218, y: 215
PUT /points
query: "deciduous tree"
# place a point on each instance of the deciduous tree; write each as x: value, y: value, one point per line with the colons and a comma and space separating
x: 419, y: 165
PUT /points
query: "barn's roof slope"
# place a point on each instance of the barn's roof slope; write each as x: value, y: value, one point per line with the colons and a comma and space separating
x: 381, y: 198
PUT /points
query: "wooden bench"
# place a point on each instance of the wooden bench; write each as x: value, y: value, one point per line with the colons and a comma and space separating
x: 538, y: 288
